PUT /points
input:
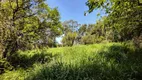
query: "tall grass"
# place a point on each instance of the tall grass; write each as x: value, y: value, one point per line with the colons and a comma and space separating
x: 110, y: 61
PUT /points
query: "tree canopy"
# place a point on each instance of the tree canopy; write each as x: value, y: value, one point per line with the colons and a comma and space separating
x: 27, y: 24
x: 124, y: 16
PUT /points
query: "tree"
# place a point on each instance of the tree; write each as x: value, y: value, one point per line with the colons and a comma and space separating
x: 13, y: 15
x: 69, y: 39
x: 82, y: 29
x: 51, y: 27
x: 123, y: 16
x: 70, y: 26
x: 70, y: 32
x: 24, y: 24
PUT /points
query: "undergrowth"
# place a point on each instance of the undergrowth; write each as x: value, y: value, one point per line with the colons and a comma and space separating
x: 109, y: 61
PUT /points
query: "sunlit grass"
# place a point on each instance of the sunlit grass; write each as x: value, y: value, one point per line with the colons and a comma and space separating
x: 109, y: 61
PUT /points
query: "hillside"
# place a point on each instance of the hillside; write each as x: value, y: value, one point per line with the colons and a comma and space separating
x: 108, y: 61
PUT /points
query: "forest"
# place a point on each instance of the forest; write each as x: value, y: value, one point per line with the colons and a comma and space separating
x: 108, y: 49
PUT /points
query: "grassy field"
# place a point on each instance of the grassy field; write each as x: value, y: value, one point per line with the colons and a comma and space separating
x: 108, y: 61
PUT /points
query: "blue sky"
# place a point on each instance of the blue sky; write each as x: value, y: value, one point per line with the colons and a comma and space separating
x: 73, y: 9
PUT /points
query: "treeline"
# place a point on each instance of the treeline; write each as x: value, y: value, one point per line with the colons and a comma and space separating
x: 75, y: 33
x: 123, y: 22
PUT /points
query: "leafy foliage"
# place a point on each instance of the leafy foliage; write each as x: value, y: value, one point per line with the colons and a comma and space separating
x: 123, y: 16
x: 69, y: 39
x: 27, y: 24
x: 70, y: 32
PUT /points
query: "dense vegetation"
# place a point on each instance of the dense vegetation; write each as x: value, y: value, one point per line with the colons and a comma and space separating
x: 123, y: 22
x: 27, y: 24
x: 109, y: 49
x: 105, y: 61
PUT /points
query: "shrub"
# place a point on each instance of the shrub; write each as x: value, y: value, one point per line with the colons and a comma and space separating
x: 4, y: 66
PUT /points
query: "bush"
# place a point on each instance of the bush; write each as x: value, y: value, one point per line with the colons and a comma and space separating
x: 91, y: 39
x: 28, y: 58
x: 68, y: 40
x: 4, y: 66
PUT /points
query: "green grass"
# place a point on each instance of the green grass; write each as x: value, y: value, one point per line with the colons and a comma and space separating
x: 109, y: 61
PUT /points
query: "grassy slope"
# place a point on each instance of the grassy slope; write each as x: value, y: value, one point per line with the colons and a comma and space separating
x: 110, y: 61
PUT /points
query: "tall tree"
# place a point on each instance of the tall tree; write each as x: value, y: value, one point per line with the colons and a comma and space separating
x: 26, y: 22
x: 123, y: 16
x: 13, y: 14
x: 70, y: 32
